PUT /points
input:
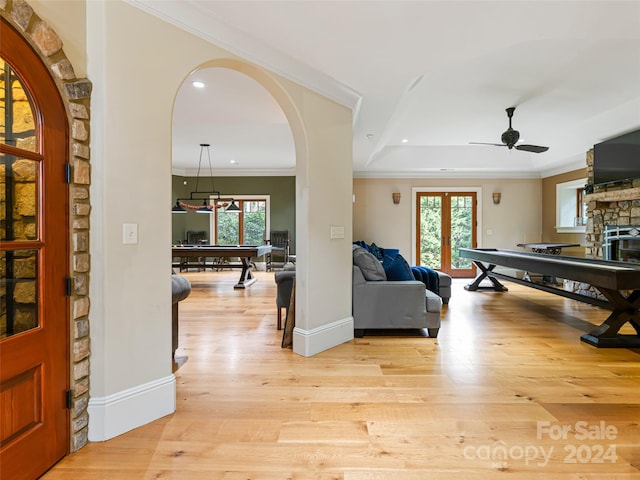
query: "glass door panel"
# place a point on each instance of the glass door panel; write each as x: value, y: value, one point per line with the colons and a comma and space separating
x: 19, y: 179
x: 227, y: 228
x: 18, y: 291
x: 430, y: 228
x: 462, y: 209
x: 254, y: 222
x: 17, y: 125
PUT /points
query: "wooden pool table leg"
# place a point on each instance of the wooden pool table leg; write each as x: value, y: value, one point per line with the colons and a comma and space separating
x: 246, y: 278
x: 625, y: 310
x: 475, y: 285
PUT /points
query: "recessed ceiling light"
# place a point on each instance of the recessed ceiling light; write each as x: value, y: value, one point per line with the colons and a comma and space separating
x: 234, y: 162
x: 197, y: 84
x: 405, y: 140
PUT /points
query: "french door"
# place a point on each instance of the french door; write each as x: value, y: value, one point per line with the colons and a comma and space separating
x: 34, y: 263
x: 446, y: 222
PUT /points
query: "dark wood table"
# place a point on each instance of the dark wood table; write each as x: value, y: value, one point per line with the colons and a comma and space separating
x: 244, y: 252
x: 618, y: 282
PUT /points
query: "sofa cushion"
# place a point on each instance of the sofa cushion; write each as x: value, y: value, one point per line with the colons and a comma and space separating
x: 376, y: 251
x: 369, y: 265
x: 397, y: 268
x: 434, y: 303
x: 444, y: 279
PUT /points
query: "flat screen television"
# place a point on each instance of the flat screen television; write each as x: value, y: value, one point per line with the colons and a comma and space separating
x: 617, y: 160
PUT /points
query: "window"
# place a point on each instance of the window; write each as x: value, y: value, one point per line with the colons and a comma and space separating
x: 246, y: 227
x: 571, y: 210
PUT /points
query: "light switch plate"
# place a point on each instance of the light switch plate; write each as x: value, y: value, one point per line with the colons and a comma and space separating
x: 337, y: 232
x: 129, y: 233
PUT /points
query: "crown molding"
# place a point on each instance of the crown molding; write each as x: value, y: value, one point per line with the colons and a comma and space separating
x: 245, y: 172
x: 568, y: 167
x: 187, y: 16
x: 458, y: 173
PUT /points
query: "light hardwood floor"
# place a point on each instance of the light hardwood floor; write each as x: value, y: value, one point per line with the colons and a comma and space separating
x: 489, y: 399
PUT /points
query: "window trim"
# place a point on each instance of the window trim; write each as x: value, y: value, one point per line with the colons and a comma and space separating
x: 566, y: 197
x: 266, y: 198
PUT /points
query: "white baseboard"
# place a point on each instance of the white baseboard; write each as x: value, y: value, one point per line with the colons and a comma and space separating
x: 120, y: 412
x: 310, y: 342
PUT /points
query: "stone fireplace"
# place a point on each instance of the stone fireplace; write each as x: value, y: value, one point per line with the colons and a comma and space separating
x: 610, y: 208
x: 621, y: 243
x: 613, y: 225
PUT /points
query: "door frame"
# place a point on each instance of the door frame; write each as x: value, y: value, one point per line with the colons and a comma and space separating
x: 414, y: 197
x: 213, y: 228
x: 75, y: 93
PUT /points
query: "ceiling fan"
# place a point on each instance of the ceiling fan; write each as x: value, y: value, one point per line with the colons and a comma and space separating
x: 510, y: 138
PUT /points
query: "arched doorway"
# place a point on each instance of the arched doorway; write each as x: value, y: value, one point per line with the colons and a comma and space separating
x: 268, y: 104
x: 34, y: 252
x: 250, y: 156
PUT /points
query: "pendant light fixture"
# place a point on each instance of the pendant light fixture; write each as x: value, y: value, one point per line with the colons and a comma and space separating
x: 233, y: 207
x: 205, y: 196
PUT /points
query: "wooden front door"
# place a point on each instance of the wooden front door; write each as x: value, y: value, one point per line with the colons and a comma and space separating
x: 34, y: 264
x: 446, y: 222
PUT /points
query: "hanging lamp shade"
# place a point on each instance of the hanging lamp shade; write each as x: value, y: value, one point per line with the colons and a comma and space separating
x: 205, y: 208
x: 177, y: 208
x: 233, y: 207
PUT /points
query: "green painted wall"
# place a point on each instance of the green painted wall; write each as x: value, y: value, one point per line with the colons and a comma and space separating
x: 282, y: 191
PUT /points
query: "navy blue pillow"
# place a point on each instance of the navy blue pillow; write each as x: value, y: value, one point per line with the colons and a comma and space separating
x: 397, y: 268
x: 376, y: 251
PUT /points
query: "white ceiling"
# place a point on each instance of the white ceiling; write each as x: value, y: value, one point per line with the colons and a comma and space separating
x: 437, y: 73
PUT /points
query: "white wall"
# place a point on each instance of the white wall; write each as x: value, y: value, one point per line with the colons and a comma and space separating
x: 517, y: 219
x: 136, y: 64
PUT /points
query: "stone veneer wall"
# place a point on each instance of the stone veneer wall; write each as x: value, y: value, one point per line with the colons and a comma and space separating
x: 76, y: 95
x: 617, y: 204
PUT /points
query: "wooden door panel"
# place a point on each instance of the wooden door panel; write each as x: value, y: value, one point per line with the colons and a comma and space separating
x: 21, y: 405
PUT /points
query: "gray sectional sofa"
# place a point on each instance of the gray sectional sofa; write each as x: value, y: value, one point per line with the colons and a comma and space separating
x: 379, y: 303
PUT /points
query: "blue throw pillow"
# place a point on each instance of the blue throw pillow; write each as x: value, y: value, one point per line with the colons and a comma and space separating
x: 391, y: 252
x: 397, y: 268
x: 376, y: 251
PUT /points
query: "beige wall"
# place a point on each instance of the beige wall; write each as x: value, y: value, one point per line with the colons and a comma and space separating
x: 136, y: 63
x: 549, y: 233
x: 517, y: 219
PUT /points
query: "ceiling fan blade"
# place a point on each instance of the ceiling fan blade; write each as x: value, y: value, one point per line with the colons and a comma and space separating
x: 484, y: 143
x: 532, y: 148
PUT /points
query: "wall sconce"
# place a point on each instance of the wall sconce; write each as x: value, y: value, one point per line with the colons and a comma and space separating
x: 496, y: 197
x: 396, y: 197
